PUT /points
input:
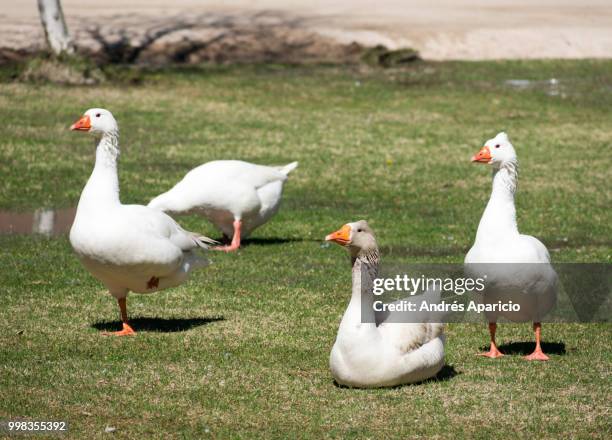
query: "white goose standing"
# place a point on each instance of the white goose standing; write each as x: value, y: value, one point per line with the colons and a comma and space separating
x: 127, y: 247
x: 371, y: 350
x: 526, y: 276
x: 235, y: 196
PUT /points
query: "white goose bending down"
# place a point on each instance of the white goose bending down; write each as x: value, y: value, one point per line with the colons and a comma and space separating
x: 127, y: 247
x: 370, y: 352
x: 526, y: 276
x: 235, y: 196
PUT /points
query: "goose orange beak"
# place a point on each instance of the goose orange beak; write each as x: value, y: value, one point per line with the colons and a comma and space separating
x: 83, y: 124
x: 342, y: 236
x: 483, y: 156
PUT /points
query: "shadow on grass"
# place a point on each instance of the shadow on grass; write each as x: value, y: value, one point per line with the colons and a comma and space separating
x: 446, y: 373
x: 265, y: 241
x: 525, y: 348
x: 273, y: 240
x: 164, y: 325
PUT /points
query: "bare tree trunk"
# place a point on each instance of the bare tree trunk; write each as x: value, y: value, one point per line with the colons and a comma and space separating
x: 56, y: 31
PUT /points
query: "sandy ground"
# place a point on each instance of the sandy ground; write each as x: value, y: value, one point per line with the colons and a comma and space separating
x: 439, y: 29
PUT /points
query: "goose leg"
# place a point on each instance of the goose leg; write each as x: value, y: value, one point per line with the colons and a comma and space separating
x: 235, y: 244
x: 493, y: 351
x: 538, y: 354
x: 127, y: 330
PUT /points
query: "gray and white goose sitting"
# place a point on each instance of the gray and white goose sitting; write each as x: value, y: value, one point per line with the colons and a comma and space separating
x: 127, y: 247
x: 370, y: 351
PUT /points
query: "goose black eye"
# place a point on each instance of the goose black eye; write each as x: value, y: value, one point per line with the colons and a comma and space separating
x: 97, y: 115
x: 359, y: 230
x: 497, y: 146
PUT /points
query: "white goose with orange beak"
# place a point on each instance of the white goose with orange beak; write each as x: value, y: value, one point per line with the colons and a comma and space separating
x: 370, y: 352
x: 521, y: 270
x: 127, y: 247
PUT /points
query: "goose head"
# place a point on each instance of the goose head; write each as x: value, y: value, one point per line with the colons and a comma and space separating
x: 98, y: 121
x: 496, y: 152
x: 357, y: 237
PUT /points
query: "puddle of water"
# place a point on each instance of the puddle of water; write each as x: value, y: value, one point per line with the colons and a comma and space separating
x: 551, y: 86
x: 518, y: 83
x: 47, y: 222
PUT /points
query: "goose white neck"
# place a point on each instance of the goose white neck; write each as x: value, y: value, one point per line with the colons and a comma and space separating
x: 360, y: 311
x: 499, y: 218
x: 103, y: 185
x: 107, y: 150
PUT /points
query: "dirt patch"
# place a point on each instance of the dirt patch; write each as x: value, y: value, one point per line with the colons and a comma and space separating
x: 303, y: 31
x: 212, y: 37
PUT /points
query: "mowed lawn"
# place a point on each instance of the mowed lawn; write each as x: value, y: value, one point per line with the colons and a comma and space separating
x: 241, y: 351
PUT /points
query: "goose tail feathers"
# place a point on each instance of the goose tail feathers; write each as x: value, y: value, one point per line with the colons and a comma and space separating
x: 204, y: 242
x: 286, y: 169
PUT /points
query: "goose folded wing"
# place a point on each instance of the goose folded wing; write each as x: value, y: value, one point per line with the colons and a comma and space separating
x: 159, y: 225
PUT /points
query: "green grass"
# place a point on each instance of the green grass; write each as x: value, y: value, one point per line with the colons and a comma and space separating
x: 391, y: 146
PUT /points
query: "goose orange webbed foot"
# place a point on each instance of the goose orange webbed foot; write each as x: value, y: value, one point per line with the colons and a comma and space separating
x: 126, y: 331
x: 493, y: 353
x: 537, y: 355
